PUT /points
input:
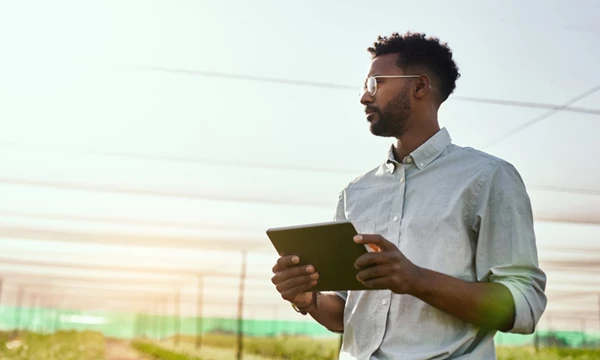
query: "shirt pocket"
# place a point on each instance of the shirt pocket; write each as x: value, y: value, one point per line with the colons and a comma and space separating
x: 365, y: 207
x: 437, y: 229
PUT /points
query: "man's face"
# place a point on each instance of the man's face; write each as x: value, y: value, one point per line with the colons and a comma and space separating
x: 389, y: 109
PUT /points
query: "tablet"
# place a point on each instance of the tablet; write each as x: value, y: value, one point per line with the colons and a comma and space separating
x: 329, y: 247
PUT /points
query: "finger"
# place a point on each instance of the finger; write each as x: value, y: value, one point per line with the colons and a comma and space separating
x: 285, y: 262
x: 374, y: 272
x: 291, y: 293
x: 372, y: 258
x: 378, y: 283
x: 297, y: 281
x: 375, y: 239
x: 289, y: 273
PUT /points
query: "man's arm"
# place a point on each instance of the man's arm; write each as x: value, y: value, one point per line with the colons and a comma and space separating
x: 483, y: 304
x: 328, y: 311
x: 486, y: 305
x: 294, y: 282
x: 509, y: 292
x: 506, y: 251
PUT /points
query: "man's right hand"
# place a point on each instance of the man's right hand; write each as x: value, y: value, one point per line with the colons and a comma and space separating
x: 293, y: 281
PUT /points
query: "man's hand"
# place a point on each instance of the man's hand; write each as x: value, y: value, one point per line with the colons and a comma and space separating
x: 293, y: 281
x: 387, y: 268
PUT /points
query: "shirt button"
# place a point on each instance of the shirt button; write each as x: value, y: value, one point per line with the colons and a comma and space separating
x: 395, y: 218
x: 383, y: 302
x: 408, y: 160
x: 421, y: 164
x: 402, y: 180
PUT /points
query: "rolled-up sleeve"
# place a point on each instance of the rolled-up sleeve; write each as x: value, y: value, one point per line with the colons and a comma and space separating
x: 506, y: 251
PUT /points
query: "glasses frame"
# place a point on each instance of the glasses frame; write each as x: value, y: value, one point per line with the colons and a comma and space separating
x: 366, y: 85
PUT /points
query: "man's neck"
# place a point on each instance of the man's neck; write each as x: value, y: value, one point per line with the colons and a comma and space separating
x: 410, y: 141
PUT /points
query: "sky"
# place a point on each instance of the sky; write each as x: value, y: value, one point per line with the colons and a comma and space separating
x: 129, y: 129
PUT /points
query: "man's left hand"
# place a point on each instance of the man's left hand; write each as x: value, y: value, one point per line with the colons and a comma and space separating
x: 387, y: 268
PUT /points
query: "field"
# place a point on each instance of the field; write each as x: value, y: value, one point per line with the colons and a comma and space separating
x: 91, y: 346
x: 222, y: 347
x: 58, y: 346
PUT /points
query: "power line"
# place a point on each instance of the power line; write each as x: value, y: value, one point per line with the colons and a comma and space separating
x: 129, y: 222
x: 189, y: 160
x: 163, y: 193
x: 531, y: 105
x: 20, y: 276
x: 526, y: 104
x: 565, y: 190
x: 123, y: 269
x: 544, y: 115
x: 248, y: 77
x: 210, y: 242
x: 57, y: 280
x: 37, y: 287
x: 207, y: 196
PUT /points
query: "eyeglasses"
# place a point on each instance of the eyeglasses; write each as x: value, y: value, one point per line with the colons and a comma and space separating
x: 371, y: 83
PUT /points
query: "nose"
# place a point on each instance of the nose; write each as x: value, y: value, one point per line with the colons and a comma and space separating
x: 366, y: 98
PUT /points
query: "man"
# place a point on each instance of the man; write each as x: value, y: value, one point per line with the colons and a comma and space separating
x: 458, y: 259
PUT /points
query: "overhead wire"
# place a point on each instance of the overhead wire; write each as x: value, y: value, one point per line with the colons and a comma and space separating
x: 327, y: 85
x: 543, y: 116
x: 205, y: 161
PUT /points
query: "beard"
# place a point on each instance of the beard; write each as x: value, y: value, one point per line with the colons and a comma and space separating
x: 392, y: 120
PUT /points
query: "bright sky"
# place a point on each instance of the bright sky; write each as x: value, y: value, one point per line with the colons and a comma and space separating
x: 100, y: 144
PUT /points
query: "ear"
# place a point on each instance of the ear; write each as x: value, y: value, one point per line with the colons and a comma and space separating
x: 422, y: 86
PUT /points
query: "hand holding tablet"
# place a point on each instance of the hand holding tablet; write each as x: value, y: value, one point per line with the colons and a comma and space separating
x: 328, y: 247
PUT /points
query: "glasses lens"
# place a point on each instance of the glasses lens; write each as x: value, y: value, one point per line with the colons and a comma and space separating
x: 372, y: 85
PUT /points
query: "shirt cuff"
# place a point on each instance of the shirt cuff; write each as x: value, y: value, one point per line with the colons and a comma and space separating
x: 524, y: 322
x: 342, y: 294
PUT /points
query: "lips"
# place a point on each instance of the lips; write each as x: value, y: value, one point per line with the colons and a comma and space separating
x: 369, y: 111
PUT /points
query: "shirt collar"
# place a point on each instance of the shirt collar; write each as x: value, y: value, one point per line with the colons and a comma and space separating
x: 424, y: 154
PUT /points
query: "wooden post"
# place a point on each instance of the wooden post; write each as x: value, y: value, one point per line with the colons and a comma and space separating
x: 156, y: 320
x: 164, y: 315
x: 56, y: 318
x: 136, y: 326
x: 583, y: 331
x: 275, y: 320
x: 199, y: 298
x: 19, y: 308
x: 177, y: 320
x: 143, y: 324
x: 240, y: 335
x: 31, y: 312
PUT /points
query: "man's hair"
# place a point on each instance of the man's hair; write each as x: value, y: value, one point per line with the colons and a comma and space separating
x: 417, y: 51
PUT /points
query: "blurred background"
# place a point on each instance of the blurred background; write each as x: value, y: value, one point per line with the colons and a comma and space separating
x: 146, y: 146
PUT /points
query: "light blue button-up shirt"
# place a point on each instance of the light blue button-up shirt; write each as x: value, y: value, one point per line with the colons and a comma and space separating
x: 450, y: 209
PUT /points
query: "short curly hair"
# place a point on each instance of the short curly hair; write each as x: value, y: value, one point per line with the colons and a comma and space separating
x: 417, y: 51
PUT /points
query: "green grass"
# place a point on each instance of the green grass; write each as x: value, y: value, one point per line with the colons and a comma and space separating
x: 290, y: 348
x: 160, y: 353
x: 74, y: 345
x: 222, y: 347
x: 59, y: 346
x: 529, y: 353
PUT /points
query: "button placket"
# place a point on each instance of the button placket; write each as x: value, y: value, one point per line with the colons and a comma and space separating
x: 397, y: 205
